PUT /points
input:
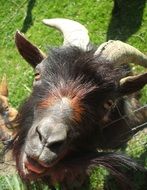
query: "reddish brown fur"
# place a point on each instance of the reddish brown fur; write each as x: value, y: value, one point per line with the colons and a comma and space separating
x: 74, y: 103
x: 78, y: 109
x: 47, y: 102
x: 75, y: 96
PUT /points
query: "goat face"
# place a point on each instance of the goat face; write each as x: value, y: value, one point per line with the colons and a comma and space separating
x: 62, y: 112
x: 66, y: 112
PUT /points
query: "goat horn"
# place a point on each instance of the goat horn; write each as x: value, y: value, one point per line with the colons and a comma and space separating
x: 121, y: 53
x: 75, y: 34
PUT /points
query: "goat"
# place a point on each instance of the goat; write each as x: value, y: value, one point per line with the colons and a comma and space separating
x: 7, y: 114
x: 83, y: 103
x: 8, y: 128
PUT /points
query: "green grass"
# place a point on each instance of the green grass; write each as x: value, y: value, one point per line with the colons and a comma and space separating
x: 11, y: 183
x: 95, y: 15
x: 130, y: 25
x: 14, y: 182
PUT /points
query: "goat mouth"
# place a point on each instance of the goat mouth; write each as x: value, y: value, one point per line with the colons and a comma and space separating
x: 39, y: 167
x: 33, y: 166
x: 31, y: 169
x: 28, y: 168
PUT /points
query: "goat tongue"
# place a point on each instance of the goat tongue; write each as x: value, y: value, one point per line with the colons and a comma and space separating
x: 33, y: 166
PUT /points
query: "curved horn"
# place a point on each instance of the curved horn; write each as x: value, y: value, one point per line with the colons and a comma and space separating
x: 74, y: 33
x: 120, y: 53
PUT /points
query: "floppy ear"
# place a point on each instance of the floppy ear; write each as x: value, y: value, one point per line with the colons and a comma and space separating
x: 4, y: 87
x: 29, y: 52
x: 132, y: 84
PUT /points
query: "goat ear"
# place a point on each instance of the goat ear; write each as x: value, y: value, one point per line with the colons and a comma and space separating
x: 29, y: 52
x: 132, y: 84
x: 4, y: 87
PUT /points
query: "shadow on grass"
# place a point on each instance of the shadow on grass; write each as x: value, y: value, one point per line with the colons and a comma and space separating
x: 28, y: 21
x: 126, y: 19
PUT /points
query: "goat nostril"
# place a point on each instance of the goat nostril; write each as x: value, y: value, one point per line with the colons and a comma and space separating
x: 55, y: 146
x: 39, y: 134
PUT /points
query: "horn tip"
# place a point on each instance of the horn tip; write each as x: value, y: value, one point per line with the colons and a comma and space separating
x: 47, y: 21
x: 52, y: 21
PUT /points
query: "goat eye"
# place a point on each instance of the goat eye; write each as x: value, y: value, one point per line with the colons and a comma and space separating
x: 108, y: 104
x: 37, y: 76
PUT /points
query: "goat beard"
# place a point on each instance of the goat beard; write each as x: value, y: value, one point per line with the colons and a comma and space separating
x: 78, y: 164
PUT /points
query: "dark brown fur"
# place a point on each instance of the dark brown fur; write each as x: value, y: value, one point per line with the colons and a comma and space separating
x: 89, y: 84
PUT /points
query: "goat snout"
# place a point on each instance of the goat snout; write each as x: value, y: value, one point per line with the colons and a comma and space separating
x: 47, y: 144
x: 55, y: 140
